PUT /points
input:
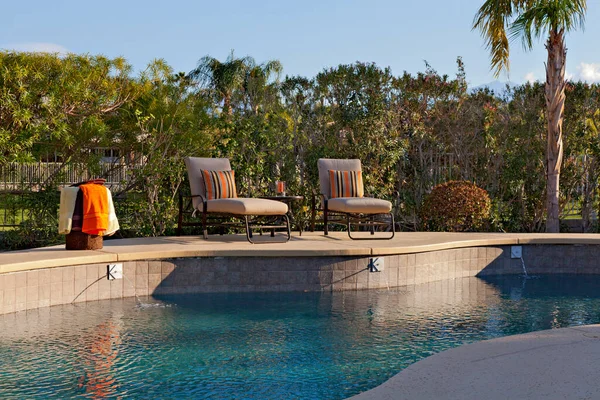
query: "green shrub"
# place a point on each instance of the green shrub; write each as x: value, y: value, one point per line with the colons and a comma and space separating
x: 456, y: 206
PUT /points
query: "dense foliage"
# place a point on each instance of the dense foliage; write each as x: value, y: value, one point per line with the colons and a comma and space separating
x: 456, y: 206
x: 411, y: 132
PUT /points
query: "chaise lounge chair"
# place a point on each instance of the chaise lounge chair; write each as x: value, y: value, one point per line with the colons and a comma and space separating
x: 213, y: 193
x: 343, y: 202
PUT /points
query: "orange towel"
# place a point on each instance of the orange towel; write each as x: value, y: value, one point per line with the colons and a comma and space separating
x: 95, y: 209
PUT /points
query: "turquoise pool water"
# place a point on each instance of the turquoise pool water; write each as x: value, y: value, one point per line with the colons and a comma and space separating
x: 271, y: 345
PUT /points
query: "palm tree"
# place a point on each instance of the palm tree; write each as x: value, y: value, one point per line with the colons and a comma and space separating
x: 257, y: 81
x: 528, y: 19
x: 222, y: 77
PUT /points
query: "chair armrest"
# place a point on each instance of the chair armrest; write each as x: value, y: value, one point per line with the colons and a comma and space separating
x: 198, y: 195
x: 191, y: 198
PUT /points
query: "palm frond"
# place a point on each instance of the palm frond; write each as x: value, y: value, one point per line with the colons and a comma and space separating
x: 545, y: 16
x: 204, y: 70
x: 501, y: 21
x: 491, y: 21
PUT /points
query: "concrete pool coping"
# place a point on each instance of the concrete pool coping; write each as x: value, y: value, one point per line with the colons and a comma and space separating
x: 308, y: 245
x: 552, y: 364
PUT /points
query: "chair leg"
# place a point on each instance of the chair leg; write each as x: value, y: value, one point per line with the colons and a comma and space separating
x: 204, y: 227
x: 325, y: 220
x: 348, y: 226
x: 248, y: 231
x: 313, y: 214
x: 180, y: 216
x: 289, y: 228
x: 372, y: 225
x: 393, y: 225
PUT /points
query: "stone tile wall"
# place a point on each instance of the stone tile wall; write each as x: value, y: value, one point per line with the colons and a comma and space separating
x: 26, y: 290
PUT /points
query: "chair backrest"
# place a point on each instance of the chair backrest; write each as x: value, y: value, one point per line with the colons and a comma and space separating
x: 326, y: 164
x: 194, y: 167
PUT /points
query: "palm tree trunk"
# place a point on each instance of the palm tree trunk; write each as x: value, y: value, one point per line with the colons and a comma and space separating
x: 555, y: 105
x: 227, y: 105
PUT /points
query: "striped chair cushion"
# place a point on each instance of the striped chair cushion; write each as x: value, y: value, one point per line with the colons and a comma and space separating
x: 219, y: 184
x: 346, y: 184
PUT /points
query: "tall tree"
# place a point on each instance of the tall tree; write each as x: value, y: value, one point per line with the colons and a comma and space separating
x: 257, y: 83
x: 58, y: 103
x: 223, y: 77
x: 528, y: 19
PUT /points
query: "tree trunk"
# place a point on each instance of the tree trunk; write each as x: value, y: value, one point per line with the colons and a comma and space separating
x: 555, y: 105
x: 227, y: 105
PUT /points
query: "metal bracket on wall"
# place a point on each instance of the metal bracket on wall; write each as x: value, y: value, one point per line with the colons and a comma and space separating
x: 375, y: 264
x: 114, y: 271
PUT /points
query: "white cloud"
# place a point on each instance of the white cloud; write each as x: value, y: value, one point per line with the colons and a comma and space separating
x: 37, y: 47
x: 588, y: 72
x: 530, y: 77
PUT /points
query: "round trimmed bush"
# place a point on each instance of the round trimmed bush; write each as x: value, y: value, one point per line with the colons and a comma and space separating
x: 456, y: 206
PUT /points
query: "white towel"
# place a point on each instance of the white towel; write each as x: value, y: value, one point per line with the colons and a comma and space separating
x: 68, y: 195
x: 113, y: 223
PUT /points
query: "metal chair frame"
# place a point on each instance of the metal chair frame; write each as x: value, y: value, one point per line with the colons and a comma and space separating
x: 350, y: 219
x: 248, y: 222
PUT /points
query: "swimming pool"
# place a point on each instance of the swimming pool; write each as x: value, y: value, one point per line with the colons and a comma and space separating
x: 271, y: 345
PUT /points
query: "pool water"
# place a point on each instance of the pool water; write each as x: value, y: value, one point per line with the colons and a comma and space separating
x: 271, y: 345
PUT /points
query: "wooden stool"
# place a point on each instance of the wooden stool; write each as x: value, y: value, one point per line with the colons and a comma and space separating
x: 83, y: 241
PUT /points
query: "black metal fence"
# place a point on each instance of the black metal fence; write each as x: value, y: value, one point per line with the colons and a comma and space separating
x: 34, y: 176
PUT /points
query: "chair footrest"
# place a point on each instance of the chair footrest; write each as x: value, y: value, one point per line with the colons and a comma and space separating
x: 369, y: 223
x: 268, y: 226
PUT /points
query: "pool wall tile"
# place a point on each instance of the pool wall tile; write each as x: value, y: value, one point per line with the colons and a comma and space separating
x: 79, y: 273
x: 141, y: 268
x: 482, y: 253
x: 207, y: 278
x: 44, y: 287
x: 91, y: 272
x: 80, y: 286
x: 68, y: 290
x: 56, y: 293
x: 167, y: 267
x: 91, y: 291
x: 141, y: 284
x: 129, y: 278
x: 102, y: 270
x: 116, y: 289
x: 20, y: 279
x: 9, y: 300
x: 33, y: 278
x: 21, y: 295
x: 411, y: 271
x: 392, y: 264
x: 154, y: 267
x: 103, y: 288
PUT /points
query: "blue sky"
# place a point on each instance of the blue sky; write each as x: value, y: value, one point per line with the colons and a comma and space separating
x: 305, y: 36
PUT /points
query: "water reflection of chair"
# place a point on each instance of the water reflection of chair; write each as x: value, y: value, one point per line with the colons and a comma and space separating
x: 344, y: 202
x: 213, y: 193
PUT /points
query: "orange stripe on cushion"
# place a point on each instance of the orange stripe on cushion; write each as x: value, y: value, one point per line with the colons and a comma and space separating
x: 360, y: 189
x: 347, y: 186
x: 332, y: 184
